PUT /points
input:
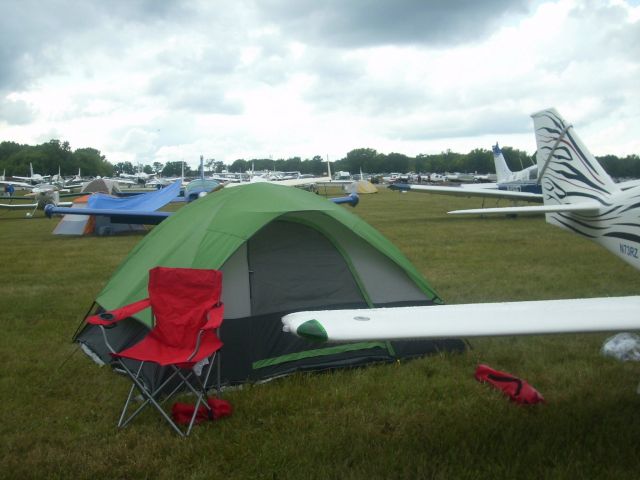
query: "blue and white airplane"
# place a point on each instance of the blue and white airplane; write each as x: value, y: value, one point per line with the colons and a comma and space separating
x: 519, y: 185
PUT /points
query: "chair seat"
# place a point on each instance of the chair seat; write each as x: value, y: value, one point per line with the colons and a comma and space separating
x: 150, y: 349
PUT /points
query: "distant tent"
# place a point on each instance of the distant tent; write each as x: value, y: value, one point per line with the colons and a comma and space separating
x: 144, y: 202
x: 90, y: 224
x: 281, y: 250
x: 101, y: 185
x: 360, y: 186
x: 103, y: 225
x: 199, y: 186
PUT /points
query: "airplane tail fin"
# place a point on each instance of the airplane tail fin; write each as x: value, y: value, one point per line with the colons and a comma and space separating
x: 503, y: 173
x: 568, y: 172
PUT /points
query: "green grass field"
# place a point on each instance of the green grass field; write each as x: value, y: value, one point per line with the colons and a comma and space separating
x: 426, y: 418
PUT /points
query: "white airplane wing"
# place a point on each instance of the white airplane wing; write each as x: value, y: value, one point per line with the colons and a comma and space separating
x: 18, y: 206
x: 297, y: 182
x: 470, y: 320
x: 16, y: 184
x: 326, y: 182
x: 583, y: 207
x: 124, y: 181
x: 294, y: 182
x: 472, y: 192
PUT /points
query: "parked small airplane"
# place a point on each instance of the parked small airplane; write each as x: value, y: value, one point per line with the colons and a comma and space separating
x: 300, y: 182
x: 579, y: 196
x: 34, y: 178
x: 525, y: 180
x: 66, y: 183
x: 139, y: 177
x: 40, y: 196
x: 21, y: 185
x: 519, y: 185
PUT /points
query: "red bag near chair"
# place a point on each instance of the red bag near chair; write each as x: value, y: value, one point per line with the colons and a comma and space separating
x: 182, y: 412
x: 516, y: 389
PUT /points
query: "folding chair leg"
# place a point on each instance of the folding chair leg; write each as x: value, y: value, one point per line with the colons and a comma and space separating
x: 202, y: 395
x: 146, y: 401
x: 126, y: 404
x: 199, y: 390
x: 149, y: 399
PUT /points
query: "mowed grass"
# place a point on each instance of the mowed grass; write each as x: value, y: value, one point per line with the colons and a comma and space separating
x: 426, y: 418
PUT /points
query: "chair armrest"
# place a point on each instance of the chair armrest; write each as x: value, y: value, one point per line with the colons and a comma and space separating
x: 112, y: 316
x: 214, y: 320
x: 214, y: 317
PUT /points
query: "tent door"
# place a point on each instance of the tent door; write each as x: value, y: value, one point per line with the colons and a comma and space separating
x: 292, y: 266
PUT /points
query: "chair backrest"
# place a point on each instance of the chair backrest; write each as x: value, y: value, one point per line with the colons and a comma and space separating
x: 180, y: 299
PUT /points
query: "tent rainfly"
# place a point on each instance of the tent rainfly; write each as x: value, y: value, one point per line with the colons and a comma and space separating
x: 73, y: 224
x: 361, y: 187
x: 281, y: 250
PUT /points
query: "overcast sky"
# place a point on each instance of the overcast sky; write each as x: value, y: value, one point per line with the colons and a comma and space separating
x: 161, y: 80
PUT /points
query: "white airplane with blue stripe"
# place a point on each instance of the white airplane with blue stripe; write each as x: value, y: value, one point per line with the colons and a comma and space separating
x: 509, y: 185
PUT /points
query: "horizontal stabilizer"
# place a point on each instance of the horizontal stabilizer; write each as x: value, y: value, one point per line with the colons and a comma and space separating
x: 470, y: 320
x: 564, y: 207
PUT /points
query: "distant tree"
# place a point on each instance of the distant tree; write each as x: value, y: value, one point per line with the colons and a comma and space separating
x: 517, y: 159
x: 397, y: 162
x: 91, y: 163
x: 124, y: 167
x: 157, y: 167
x: 239, y: 166
x: 54, y: 155
x: 209, y: 163
x: 479, y: 160
x: 359, y: 159
x: 316, y: 166
x: 173, y: 169
x: 218, y: 166
x: 293, y: 164
x: 259, y: 164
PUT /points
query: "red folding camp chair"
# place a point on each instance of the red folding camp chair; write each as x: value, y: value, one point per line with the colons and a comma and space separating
x: 187, y: 312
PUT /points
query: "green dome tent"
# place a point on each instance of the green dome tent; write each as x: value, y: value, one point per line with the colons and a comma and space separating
x: 281, y: 250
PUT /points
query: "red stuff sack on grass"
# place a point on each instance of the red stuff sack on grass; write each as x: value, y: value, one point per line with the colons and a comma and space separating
x: 182, y: 412
x: 516, y: 389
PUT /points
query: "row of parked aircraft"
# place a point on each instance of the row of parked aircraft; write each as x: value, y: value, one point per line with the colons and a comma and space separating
x: 577, y: 195
x: 518, y: 185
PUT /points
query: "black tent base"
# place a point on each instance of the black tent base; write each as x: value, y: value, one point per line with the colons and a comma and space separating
x: 257, y: 350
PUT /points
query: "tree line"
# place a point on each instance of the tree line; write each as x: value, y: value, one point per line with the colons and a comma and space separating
x: 370, y: 161
x: 50, y: 156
